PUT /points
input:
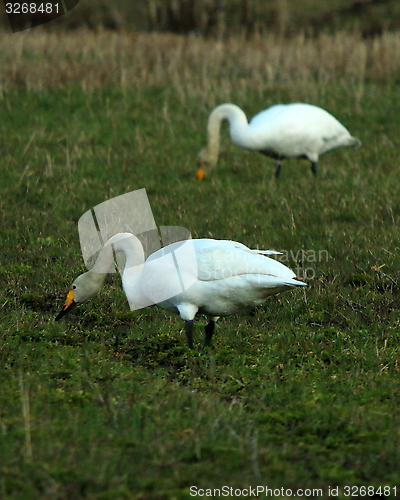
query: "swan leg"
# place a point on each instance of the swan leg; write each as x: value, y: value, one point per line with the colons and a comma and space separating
x: 189, y: 333
x: 209, y: 333
x: 314, y: 167
x: 278, y: 169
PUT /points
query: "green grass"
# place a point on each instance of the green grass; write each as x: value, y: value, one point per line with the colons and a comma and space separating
x: 110, y: 404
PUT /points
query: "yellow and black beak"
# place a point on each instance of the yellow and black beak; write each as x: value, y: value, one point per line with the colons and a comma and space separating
x: 200, y: 174
x: 69, y: 304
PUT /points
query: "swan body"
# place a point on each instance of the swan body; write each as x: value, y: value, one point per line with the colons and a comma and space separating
x: 282, y: 131
x: 216, y: 278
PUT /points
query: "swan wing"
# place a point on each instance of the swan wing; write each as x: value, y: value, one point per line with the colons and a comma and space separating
x: 295, y: 130
x: 222, y: 259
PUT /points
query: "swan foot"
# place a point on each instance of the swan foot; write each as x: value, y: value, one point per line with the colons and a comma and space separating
x: 209, y: 333
x: 189, y: 333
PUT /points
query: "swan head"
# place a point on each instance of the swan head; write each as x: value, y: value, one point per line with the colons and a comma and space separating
x: 82, y: 289
x: 205, y: 163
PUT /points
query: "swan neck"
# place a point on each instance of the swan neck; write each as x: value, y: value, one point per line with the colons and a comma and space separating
x: 126, y: 243
x: 237, y: 121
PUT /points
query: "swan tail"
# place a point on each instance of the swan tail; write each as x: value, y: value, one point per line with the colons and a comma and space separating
x: 355, y: 142
x: 267, y: 252
x: 294, y: 282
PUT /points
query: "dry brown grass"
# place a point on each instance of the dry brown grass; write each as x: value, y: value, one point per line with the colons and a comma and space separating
x: 39, y: 60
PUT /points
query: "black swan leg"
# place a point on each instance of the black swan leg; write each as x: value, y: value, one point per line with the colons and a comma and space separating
x: 314, y: 167
x: 189, y: 333
x: 209, y: 333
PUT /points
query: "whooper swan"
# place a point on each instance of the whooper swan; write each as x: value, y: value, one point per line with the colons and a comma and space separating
x: 282, y: 131
x: 222, y: 277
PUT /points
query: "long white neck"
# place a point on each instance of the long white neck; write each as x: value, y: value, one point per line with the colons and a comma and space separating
x: 132, y: 248
x: 237, y: 123
x: 88, y: 284
x: 120, y: 242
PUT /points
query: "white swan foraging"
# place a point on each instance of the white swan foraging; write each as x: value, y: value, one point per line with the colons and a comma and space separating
x: 282, y: 131
x: 222, y: 277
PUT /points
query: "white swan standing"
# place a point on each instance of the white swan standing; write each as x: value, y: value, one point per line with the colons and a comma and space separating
x: 223, y: 277
x: 282, y: 131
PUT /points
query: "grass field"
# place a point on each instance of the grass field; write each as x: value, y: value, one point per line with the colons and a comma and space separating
x: 110, y: 404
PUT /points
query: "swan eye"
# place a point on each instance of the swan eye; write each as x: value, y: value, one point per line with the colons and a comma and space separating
x: 73, y: 287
